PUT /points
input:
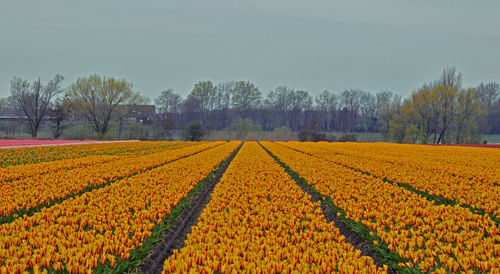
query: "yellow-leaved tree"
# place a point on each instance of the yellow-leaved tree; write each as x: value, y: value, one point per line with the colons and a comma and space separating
x: 102, y: 101
x: 439, y: 113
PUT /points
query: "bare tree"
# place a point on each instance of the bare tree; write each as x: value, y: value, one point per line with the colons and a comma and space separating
x: 205, y: 93
x: 280, y: 99
x: 450, y: 78
x: 368, y: 110
x: 223, y: 103
x: 168, y: 101
x: 327, y: 104
x: 383, y: 99
x: 168, y: 105
x: 301, y: 102
x: 488, y: 93
x: 224, y: 91
x: 59, y: 113
x: 281, y: 103
x: 245, y: 96
x: 102, y: 101
x: 190, y: 110
x: 350, y: 100
x: 34, y: 99
x: 327, y: 101
x: 468, y: 113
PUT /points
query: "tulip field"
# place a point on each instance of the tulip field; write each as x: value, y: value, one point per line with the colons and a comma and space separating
x: 260, y: 207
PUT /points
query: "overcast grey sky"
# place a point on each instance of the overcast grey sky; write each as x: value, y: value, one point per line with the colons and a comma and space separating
x: 315, y: 45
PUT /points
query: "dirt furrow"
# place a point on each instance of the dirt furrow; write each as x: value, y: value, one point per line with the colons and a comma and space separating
x: 351, y: 237
x: 175, y: 237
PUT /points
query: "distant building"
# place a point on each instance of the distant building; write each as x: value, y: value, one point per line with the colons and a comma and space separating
x: 141, y: 113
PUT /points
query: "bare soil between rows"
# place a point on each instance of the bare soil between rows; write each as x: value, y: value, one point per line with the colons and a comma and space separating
x: 351, y: 237
x: 175, y: 237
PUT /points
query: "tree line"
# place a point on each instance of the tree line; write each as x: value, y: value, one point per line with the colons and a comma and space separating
x: 441, y: 111
x: 217, y: 106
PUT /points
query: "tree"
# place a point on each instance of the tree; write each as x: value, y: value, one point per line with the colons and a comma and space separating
x: 301, y: 102
x: 383, y: 99
x: 191, y: 108
x: 368, y: 110
x: 280, y: 99
x: 102, y: 101
x: 450, y: 78
x: 194, y: 132
x: 223, y: 104
x: 488, y: 93
x: 351, y: 101
x: 168, y: 102
x: 468, y: 112
x: 327, y: 101
x: 436, y: 114
x: 168, y: 105
x: 398, y: 128
x: 327, y: 104
x: 446, y: 110
x: 59, y: 113
x: 278, y: 104
x: 245, y: 96
x: 388, y: 105
x: 433, y: 111
x: 224, y: 91
x: 287, y: 106
x: 4, y: 104
x: 34, y: 99
x: 427, y: 113
x: 205, y: 94
x: 494, y: 118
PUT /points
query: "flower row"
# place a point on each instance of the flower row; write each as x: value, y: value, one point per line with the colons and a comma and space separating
x: 35, y: 191
x: 16, y: 172
x: 467, y: 175
x: 97, y: 227
x: 427, y: 236
x: 31, y: 155
x: 258, y: 219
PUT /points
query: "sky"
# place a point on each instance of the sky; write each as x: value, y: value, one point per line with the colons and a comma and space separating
x: 395, y: 45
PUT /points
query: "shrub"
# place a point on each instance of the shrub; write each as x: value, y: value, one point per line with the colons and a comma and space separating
x: 194, y: 132
x: 282, y: 134
x: 243, y: 127
x: 311, y: 136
